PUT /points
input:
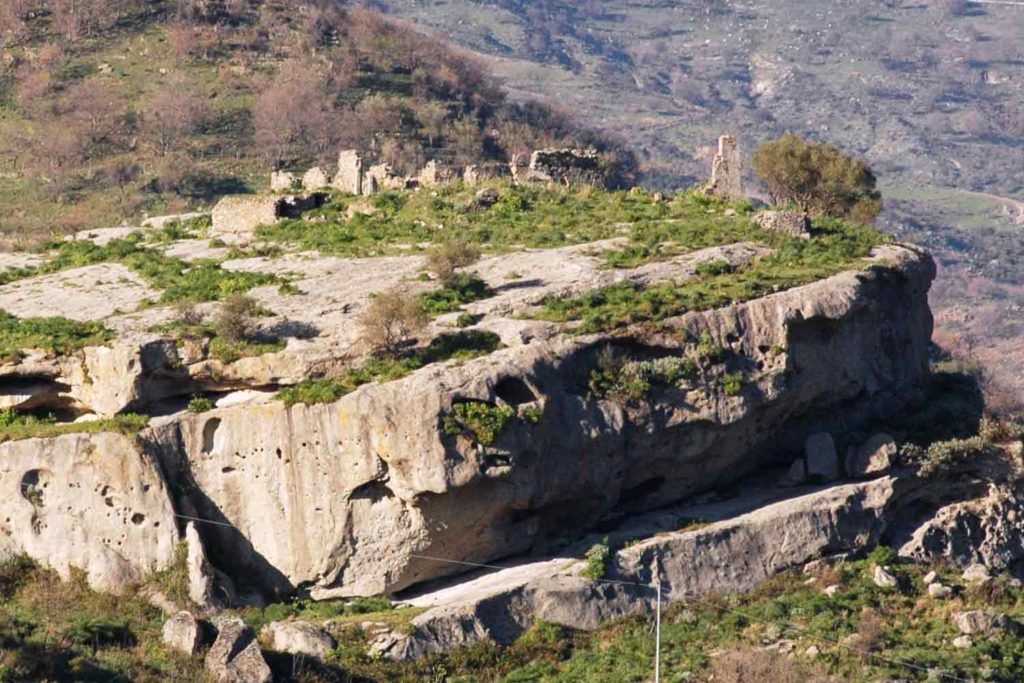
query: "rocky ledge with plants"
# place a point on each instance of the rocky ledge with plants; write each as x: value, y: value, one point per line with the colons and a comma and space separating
x: 462, y: 374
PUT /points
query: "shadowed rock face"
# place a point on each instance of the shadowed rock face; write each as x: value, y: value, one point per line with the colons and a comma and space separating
x: 341, y: 498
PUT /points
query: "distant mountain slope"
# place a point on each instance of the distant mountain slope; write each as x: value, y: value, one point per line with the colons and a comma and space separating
x: 110, y: 109
x: 927, y: 91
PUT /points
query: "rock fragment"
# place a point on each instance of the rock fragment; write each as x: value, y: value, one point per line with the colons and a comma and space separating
x: 235, y: 656
x: 883, y: 577
x: 875, y: 456
x: 298, y: 638
x: 184, y: 633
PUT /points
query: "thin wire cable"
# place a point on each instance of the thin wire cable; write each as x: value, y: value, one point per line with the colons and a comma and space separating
x: 205, y: 521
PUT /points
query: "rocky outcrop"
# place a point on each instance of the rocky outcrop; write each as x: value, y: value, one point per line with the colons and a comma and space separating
x: 981, y: 532
x: 735, y: 554
x: 367, y: 487
x: 367, y: 484
x: 93, y: 502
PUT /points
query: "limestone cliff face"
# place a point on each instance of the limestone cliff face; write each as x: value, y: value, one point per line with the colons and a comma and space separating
x: 343, y: 498
x: 347, y: 498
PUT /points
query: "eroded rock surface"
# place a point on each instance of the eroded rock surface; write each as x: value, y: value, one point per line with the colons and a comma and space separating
x: 95, y: 502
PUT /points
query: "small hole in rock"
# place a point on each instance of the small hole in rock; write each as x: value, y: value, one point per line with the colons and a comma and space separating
x: 138, y: 518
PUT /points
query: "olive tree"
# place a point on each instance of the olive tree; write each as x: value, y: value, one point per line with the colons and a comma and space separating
x: 819, y: 178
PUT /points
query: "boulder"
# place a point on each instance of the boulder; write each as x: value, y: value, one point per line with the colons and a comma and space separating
x: 939, y: 591
x: 875, y: 456
x: 930, y: 578
x: 486, y: 198
x: 822, y: 459
x: 963, y: 642
x: 298, y: 638
x: 883, y: 577
x: 976, y: 573
x: 184, y: 633
x: 235, y: 656
x: 979, y: 534
x: 985, y: 623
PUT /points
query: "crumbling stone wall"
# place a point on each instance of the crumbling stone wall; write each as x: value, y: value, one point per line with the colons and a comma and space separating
x: 316, y: 178
x: 434, y: 174
x: 566, y: 167
x: 349, y: 177
x: 792, y: 223
x: 282, y: 181
x: 244, y: 213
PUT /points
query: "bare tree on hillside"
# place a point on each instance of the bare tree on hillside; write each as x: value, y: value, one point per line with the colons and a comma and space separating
x: 96, y: 109
x: 292, y: 115
x: 171, y: 113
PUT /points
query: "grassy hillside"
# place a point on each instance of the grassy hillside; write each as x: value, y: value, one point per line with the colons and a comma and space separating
x: 111, y: 110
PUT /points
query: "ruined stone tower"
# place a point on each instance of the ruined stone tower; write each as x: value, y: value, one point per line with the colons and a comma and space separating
x: 727, y: 171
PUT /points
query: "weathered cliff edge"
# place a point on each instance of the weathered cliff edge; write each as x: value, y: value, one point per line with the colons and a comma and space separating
x: 345, y: 499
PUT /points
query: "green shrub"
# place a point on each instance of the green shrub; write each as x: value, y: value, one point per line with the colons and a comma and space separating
x: 732, y: 384
x: 818, y: 178
x: 483, y: 420
x: 944, y: 455
x: 445, y: 258
x: 391, y: 319
x: 598, y: 559
x: 467, y: 320
x: 457, y: 346
x: 532, y: 415
x: 15, y: 426
x: 713, y: 268
x: 201, y: 404
x: 58, y: 336
x: 633, y: 380
x: 464, y: 288
x: 883, y: 556
x: 710, y: 352
x: 14, y: 573
x: 173, y: 580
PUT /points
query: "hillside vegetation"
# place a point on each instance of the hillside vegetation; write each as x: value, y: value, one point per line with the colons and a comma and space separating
x: 112, y: 109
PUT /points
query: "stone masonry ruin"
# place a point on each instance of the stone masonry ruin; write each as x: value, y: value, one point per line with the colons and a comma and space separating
x: 727, y: 171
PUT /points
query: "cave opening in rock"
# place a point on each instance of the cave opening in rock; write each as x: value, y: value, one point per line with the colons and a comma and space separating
x: 514, y: 391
